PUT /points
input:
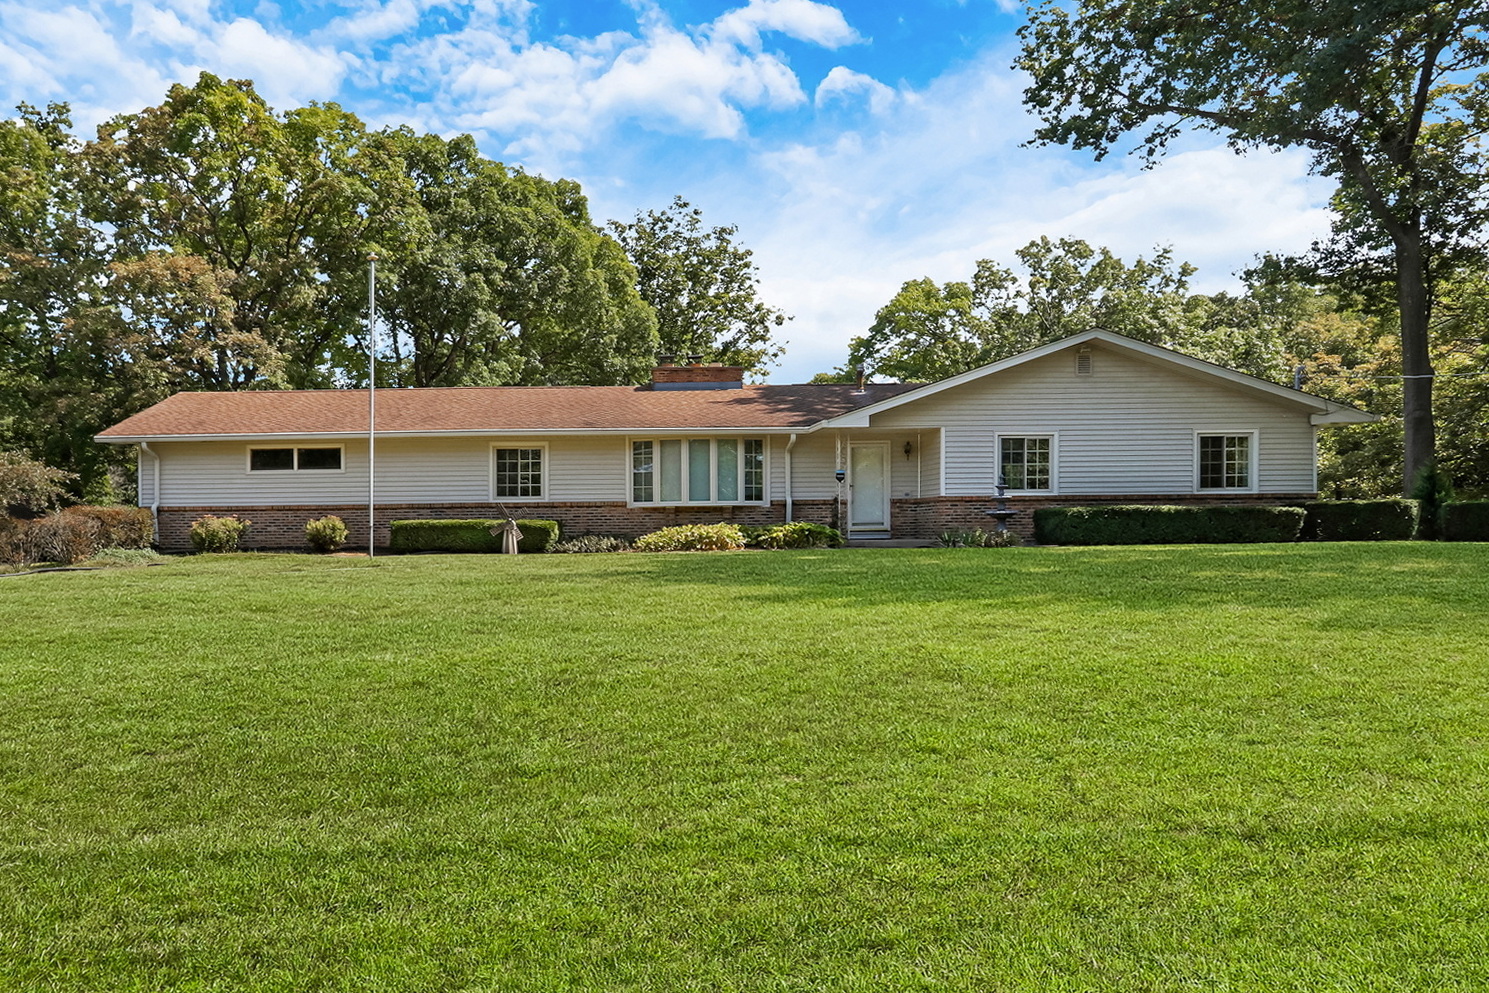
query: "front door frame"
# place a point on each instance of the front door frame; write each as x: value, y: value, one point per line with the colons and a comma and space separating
x: 853, y: 525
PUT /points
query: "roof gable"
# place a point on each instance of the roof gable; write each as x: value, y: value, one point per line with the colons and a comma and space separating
x: 1324, y: 411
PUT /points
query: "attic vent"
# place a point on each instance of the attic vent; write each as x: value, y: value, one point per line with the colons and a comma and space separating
x: 1083, y: 362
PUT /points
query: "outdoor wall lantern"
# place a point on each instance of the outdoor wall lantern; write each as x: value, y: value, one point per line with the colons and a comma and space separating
x: 908, y: 450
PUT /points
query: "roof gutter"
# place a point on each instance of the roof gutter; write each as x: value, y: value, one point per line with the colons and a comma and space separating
x: 789, y: 445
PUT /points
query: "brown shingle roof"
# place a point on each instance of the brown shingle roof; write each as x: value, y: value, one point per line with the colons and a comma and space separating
x: 494, y: 409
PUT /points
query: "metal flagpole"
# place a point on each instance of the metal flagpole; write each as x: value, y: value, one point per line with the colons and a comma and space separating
x: 371, y: 404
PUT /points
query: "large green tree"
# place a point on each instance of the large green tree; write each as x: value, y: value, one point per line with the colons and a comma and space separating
x: 1387, y: 96
x: 276, y: 211
x: 57, y: 385
x: 509, y: 281
x: 703, y: 286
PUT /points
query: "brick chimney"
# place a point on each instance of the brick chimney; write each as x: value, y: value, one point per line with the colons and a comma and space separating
x: 696, y: 375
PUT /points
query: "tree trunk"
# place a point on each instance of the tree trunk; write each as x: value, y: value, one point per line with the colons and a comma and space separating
x: 1416, y: 360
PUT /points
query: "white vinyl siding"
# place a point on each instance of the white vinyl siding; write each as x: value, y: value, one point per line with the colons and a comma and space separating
x: 409, y: 470
x: 1128, y: 428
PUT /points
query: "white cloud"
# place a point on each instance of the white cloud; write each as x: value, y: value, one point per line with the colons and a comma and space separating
x: 108, y: 58
x: 286, y: 72
x: 803, y: 20
x: 548, y: 99
x: 842, y: 83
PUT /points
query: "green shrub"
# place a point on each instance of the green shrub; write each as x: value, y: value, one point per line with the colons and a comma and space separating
x: 978, y: 538
x: 1140, y: 525
x: 591, y: 543
x: 795, y: 534
x: 470, y: 535
x: 325, y: 534
x: 118, y: 527
x: 218, y: 534
x: 1433, y: 491
x: 719, y: 537
x: 1360, y: 520
x: 1466, y: 521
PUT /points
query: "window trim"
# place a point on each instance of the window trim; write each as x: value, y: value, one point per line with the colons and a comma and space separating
x: 546, y: 469
x: 713, y: 469
x: 1252, y: 461
x: 294, y: 469
x: 1054, y: 440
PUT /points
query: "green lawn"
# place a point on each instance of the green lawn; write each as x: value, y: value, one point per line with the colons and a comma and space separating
x: 1218, y: 768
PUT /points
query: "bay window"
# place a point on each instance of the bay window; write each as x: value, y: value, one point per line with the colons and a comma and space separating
x: 698, y: 470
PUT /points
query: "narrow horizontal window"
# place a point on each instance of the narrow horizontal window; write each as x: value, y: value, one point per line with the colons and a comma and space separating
x: 317, y: 458
x: 269, y: 459
x: 294, y: 459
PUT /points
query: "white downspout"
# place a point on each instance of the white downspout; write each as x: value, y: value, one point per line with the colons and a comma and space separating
x: 789, y: 445
x: 154, y: 489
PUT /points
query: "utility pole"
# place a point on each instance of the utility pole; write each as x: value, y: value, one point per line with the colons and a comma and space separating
x: 371, y: 405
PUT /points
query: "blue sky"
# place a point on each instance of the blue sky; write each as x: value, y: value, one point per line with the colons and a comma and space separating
x: 855, y: 144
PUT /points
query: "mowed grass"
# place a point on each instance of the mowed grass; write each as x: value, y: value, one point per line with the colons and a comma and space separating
x: 1196, y: 768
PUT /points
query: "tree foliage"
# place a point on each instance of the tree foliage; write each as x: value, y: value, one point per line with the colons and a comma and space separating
x: 1388, y: 97
x: 509, y: 282
x: 703, y: 287
x: 27, y: 484
x: 930, y: 331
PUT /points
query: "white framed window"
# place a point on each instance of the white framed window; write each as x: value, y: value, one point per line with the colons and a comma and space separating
x: 1026, y: 462
x: 697, y: 470
x: 287, y: 458
x: 518, y: 472
x: 1225, y: 460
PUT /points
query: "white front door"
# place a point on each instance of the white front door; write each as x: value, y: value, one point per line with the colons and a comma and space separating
x: 868, y: 486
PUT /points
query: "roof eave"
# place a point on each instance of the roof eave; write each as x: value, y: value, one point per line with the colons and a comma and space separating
x: 135, y: 439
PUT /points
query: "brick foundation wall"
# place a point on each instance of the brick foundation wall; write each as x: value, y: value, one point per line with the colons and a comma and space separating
x: 919, y: 518
x: 284, y: 527
x: 927, y: 517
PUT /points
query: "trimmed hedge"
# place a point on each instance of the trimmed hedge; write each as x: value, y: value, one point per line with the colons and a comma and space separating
x: 1466, y: 521
x: 471, y: 535
x: 1360, y: 520
x: 1141, y: 525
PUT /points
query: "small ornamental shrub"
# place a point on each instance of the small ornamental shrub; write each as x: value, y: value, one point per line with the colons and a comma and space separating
x: 1141, y: 525
x: 796, y: 534
x: 325, y: 534
x: 1466, y: 521
x: 1360, y: 520
x: 719, y: 537
x: 469, y: 535
x: 978, y: 538
x: 591, y: 543
x: 218, y: 534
